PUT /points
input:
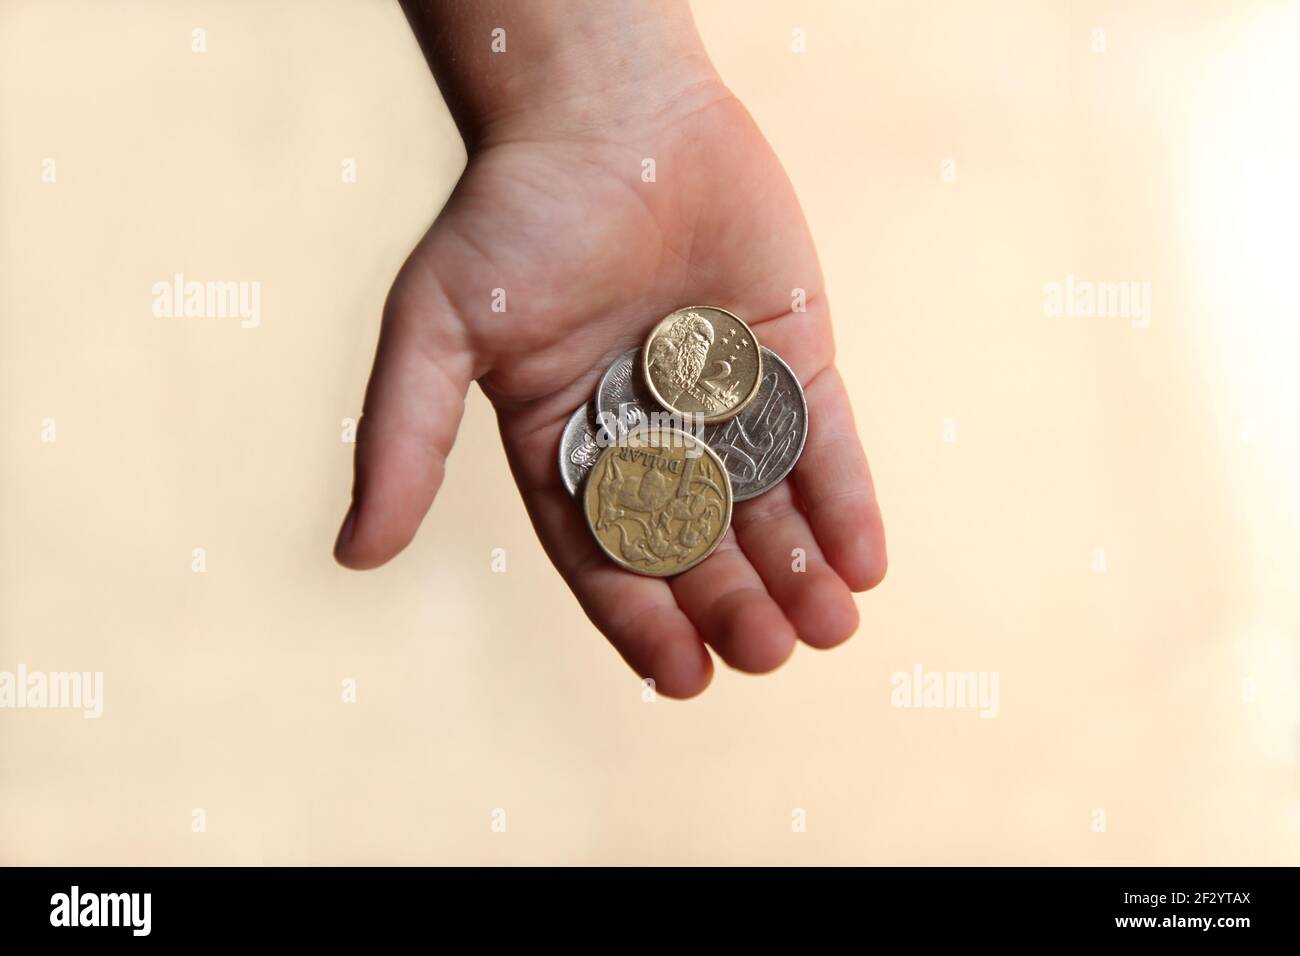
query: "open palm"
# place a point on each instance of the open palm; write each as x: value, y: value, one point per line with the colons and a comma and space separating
x: 588, y: 256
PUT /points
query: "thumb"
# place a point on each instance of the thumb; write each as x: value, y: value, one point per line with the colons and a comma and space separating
x: 414, y: 403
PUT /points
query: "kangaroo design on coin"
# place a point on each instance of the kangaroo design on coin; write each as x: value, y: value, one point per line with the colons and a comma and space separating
x: 659, y: 502
x: 702, y: 360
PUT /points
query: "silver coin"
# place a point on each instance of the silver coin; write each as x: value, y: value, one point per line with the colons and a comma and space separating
x: 623, y: 394
x: 761, y: 445
x: 578, y: 447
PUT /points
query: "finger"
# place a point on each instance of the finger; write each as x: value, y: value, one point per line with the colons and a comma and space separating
x: 835, y: 486
x: 726, y: 600
x: 637, y: 614
x: 832, y: 479
x: 776, y: 538
x: 413, y: 406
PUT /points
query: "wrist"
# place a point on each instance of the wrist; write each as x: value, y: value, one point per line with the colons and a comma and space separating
x: 550, y: 71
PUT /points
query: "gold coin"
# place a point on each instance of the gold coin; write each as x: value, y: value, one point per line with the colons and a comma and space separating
x: 702, y: 360
x: 658, y: 502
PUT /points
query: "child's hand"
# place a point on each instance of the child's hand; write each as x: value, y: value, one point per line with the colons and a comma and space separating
x: 553, y: 210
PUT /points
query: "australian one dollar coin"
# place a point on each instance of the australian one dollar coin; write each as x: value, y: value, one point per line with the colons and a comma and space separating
x: 658, y: 502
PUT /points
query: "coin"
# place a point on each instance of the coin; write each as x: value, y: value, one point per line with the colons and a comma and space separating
x: 761, y: 444
x: 579, y: 448
x: 658, y: 502
x: 702, y: 360
x: 622, y: 393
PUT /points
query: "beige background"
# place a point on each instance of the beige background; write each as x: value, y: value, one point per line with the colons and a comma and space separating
x: 1163, y: 691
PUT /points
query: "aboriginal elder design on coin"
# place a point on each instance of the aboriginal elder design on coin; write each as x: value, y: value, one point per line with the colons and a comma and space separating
x: 702, y: 360
x: 578, y: 447
x: 658, y: 503
x: 760, y: 445
x: 622, y: 392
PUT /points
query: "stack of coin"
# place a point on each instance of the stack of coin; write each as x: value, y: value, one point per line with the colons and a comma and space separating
x: 700, y: 417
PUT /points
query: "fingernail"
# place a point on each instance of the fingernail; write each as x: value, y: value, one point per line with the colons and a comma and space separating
x: 345, y: 532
